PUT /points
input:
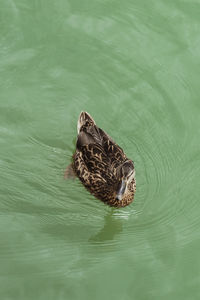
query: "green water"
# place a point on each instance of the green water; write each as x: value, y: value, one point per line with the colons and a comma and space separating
x: 134, y: 66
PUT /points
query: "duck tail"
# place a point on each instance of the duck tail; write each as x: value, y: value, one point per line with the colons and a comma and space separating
x: 69, y: 172
x: 83, y: 118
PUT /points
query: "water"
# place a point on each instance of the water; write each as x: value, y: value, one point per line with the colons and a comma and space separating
x: 134, y: 66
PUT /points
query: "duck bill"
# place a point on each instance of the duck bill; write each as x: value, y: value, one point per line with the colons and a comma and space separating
x: 121, y: 190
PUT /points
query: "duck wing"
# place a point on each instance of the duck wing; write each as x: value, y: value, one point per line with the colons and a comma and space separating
x: 95, y: 158
x: 89, y: 135
x: 112, y: 150
x: 98, y: 148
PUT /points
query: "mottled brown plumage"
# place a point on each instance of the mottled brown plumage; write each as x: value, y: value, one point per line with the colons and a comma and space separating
x: 102, y: 165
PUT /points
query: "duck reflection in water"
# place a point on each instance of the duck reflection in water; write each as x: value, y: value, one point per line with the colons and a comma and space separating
x: 112, y: 227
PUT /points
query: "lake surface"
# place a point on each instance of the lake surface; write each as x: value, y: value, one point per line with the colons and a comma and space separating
x: 134, y: 66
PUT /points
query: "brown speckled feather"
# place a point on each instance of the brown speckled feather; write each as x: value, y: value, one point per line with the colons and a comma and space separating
x: 100, y: 164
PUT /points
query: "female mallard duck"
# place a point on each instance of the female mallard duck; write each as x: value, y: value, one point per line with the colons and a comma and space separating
x: 102, y: 165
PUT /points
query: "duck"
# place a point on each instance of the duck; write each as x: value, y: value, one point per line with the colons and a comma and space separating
x: 101, y: 165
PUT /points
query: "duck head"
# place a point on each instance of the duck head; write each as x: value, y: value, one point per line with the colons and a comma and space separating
x: 126, y: 174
